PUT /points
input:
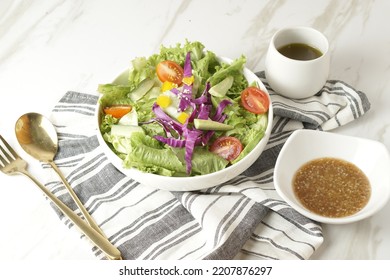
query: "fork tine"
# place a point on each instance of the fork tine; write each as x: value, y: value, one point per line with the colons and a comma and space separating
x: 15, y: 155
x: 3, y: 161
x: 2, y: 151
x: 6, y: 155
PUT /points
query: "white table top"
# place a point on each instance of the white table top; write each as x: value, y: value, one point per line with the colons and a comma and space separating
x: 50, y: 47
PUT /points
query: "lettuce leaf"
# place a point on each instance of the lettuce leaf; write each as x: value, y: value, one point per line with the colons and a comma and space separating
x: 107, y: 122
x: 203, y: 161
x: 143, y: 68
x: 254, y: 133
x: 234, y: 69
x: 147, y: 154
x: 114, y: 94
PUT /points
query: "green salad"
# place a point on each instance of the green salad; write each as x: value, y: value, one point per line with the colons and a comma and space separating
x: 182, y: 112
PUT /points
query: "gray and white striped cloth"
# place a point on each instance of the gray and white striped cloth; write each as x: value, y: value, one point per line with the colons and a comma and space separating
x: 241, y: 219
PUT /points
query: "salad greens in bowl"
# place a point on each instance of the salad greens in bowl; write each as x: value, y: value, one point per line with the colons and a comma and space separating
x: 184, y: 119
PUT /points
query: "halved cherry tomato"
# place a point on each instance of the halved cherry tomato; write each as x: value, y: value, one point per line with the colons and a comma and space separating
x: 255, y: 100
x: 170, y: 71
x: 117, y: 111
x: 227, y: 147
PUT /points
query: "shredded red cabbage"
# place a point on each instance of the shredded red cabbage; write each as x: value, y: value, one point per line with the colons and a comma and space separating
x: 187, y: 69
x: 205, y: 98
x: 191, y: 137
x: 186, y: 94
x: 219, y: 112
x: 173, y: 142
x: 166, y: 121
x: 175, y: 91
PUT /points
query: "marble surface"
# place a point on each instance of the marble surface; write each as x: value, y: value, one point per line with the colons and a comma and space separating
x: 50, y: 47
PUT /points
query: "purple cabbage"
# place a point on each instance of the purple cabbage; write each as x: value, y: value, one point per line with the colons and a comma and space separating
x: 191, y: 137
x: 205, y: 98
x: 187, y: 69
x: 175, y: 91
x: 166, y: 121
x: 173, y: 142
x: 186, y: 94
x: 219, y: 113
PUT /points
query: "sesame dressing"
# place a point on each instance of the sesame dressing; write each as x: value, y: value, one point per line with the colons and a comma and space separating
x: 331, y: 187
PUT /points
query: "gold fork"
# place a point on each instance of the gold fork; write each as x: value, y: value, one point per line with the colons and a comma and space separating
x: 11, y: 163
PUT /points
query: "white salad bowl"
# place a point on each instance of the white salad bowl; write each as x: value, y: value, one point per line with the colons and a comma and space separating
x: 369, y: 156
x: 196, y: 182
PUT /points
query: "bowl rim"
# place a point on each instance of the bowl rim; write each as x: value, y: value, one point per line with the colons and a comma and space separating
x: 300, y: 208
x: 192, y: 179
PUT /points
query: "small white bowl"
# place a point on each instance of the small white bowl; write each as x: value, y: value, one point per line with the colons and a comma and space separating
x: 195, y: 182
x: 370, y: 156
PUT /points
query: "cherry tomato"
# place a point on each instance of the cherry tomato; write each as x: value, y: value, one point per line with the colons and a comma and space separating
x: 254, y: 100
x: 170, y: 71
x: 227, y: 147
x: 117, y: 111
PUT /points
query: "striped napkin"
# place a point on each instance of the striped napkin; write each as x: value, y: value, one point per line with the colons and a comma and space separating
x: 241, y: 219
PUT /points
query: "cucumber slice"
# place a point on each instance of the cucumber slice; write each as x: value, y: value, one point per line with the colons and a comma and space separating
x: 125, y: 130
x: 211, y: 125
x: 220, y: 89
x: 130, y: 118
x: 141, y: 90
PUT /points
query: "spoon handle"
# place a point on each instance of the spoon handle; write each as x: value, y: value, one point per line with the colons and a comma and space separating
x: 84, y: 211
x: 100, y: 241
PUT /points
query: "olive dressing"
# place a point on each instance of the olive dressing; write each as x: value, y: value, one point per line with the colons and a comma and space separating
x: 300, y: 51
x: 331, y: 187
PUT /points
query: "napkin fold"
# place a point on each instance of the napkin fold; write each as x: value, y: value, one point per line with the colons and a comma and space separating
x: 243, y: 218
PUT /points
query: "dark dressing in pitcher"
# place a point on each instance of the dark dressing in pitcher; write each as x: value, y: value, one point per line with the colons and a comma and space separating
x: 300, y: 51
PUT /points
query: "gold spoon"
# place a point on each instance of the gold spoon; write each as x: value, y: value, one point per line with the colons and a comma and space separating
x: 38, y: 137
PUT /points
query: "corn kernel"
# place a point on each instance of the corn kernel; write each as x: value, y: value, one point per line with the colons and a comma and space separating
x: 163, y: 101
x: 188, y: 80
x: 168, y: 86
x: 182, y: 117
